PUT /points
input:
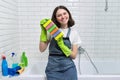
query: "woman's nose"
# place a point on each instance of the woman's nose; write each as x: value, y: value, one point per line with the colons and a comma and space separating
x: 63, y: 16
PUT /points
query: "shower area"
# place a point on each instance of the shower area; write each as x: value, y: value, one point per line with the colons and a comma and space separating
x: 98, y: 24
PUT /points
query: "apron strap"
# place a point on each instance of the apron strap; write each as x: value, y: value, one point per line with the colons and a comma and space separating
x: 68, y: 33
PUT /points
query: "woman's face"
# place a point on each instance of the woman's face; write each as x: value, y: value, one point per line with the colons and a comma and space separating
x: 62, y: 17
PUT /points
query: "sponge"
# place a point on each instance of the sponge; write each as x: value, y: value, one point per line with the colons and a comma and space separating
x: 51, y: 27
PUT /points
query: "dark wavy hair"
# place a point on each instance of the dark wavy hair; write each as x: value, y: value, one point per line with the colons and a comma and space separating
x: 71, y: 22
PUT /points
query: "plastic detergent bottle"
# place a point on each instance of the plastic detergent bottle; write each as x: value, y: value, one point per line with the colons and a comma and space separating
x: 4, y: 66
x: 14, y: 60
x: 24, y: 59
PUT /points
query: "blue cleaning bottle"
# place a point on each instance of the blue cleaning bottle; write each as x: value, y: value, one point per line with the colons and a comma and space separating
x: 4, y: 66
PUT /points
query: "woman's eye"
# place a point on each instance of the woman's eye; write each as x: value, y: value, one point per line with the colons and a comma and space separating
x: 65, y: 13
x: 58, y: 15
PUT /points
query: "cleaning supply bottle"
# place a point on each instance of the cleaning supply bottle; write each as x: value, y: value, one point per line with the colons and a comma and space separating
x: 14, y: 60
x: 4, y: 66
x: 24, y: 59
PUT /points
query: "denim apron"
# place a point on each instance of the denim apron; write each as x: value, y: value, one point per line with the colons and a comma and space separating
x: 59, y: 66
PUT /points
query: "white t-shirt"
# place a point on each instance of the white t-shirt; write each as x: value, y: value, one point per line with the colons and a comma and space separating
x: 74, y: 36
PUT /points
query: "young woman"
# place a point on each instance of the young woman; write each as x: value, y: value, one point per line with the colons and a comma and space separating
x: 61, y: 52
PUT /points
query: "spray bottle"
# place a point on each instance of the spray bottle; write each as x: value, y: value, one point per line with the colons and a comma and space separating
x: 14, y: 63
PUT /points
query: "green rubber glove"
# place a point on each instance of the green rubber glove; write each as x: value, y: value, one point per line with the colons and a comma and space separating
x: 63, y: 47
x: 43, y: 36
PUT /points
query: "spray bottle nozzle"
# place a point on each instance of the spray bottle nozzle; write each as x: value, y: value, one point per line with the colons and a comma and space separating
x: 13, y: 54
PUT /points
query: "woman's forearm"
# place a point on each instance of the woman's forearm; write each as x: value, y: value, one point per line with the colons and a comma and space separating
x: 43, y: 46
x: 74, y: 51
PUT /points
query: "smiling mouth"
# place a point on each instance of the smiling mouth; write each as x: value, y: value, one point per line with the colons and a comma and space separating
x: 64, y: 20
